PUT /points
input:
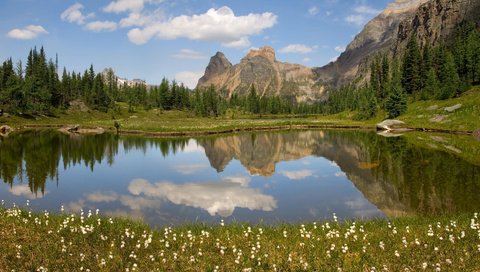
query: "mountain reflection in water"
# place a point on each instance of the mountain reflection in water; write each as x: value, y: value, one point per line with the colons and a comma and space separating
x: 276, y: 177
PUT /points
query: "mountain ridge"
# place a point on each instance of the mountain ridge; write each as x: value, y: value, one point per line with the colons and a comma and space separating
x: 432, y: 21
x: 261, y: 69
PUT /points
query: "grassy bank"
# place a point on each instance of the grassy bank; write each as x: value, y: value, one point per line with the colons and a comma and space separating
x: 87, y: 242
x: 418, y: 115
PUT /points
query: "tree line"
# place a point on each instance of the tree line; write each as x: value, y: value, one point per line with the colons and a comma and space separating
x: 422, y: 73
x: 441, y: 72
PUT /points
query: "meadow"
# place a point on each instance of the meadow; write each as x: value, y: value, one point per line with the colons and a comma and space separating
x: 89, y: 241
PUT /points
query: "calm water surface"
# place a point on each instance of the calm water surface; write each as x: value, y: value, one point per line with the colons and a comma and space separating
x: 260, y: 177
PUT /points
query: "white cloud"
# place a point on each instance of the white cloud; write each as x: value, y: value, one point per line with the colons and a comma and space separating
x: 340, y: 174
x: 193, y: 147
x: 296, y: 48
x: 73, y: 14
x: 189, y: 54
x: 297, y: 175
x: 366, y: 10
x: 313, y: 11
x: 27, y: 33
x: 215, y: 197
x: 243, y: 42
x: 137, y: 203
x: 188, y: 169
x: 357, y: 19
x: 124, y: 5
x: 219, y: 25
x: 101, y: 26
x: 328, y: 13
x: 134, y: 19
x: 305, y: 60
x: 188, y: 78
x: 24, y: 191
x: 98, y: 197
x: 241, y: 180
x: 333, y: 59
x: 339, y: 48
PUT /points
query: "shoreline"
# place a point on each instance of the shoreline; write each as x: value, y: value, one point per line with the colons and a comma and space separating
x: 207, y: 132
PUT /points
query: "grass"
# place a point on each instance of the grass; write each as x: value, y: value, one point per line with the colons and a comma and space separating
x: 467, y: 118
x: 176, y: 121
x: 418, y: 115
x: 90, y: 242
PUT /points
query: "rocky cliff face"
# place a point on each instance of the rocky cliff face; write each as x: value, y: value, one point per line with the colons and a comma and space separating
x: 431, y: 20
x: 261, y: 69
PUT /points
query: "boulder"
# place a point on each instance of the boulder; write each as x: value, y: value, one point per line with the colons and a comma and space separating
x: 389, y: 124
x: 69, y: 129
x: 5, y: 130
x: 432, y: 108
x: 452, y: 108
x: 438, y: 118
x: 476, y: 134
x: 94, y: 131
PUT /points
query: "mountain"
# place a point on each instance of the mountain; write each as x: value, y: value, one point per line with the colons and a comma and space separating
x: 109, y: 74
x: 431, y: 21
x: 384, y: 170
x: 261, y: 69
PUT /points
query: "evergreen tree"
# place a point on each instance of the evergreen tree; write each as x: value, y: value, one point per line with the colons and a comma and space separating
x: 253, y: 101
x: 411, y: 80
x: 367, y: 103
x: 396, y: 102
x: 449, y: 78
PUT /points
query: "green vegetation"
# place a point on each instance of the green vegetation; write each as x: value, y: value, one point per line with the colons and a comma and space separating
x: 442, y: 72
x: 88, y: 242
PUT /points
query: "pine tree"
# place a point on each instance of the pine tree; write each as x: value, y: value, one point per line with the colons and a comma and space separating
x: 431, y: 85
x: 367, y: 103
x: 396, y: 102
x: 253, y: 101
x: 411, y: 80
x: 449, y: 78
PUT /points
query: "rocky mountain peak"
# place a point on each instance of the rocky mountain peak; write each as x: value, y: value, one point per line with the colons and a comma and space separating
x: 266, y: 52
x: 218, y: 64
x: 259, y: 68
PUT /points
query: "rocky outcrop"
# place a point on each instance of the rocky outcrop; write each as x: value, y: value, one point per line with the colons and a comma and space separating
x: 217, y: 66
x: 259, y: 68
x: 389, y: 124
x: 431, y: 20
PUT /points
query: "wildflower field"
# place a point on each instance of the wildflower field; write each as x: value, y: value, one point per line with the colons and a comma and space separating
x: 91, y: 242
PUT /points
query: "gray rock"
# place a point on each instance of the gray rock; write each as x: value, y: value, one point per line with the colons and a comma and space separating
x: 432, y: 107
x: 438, y: 118
x: 389, y: 124
x: 476, y: 134
x: 439, y: 139
x: 5, y: 130
x: 451, y: 148
x: 452, y: 108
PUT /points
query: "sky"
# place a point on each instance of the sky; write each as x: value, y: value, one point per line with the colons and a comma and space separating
x: 153, y: 39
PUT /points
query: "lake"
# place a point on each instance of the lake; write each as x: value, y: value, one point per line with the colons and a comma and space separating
x: 267, y: 177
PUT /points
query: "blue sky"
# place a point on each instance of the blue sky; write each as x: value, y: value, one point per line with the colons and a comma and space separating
x: 152, y: 39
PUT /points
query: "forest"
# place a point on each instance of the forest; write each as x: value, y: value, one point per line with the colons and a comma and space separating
x: 421, y: 73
